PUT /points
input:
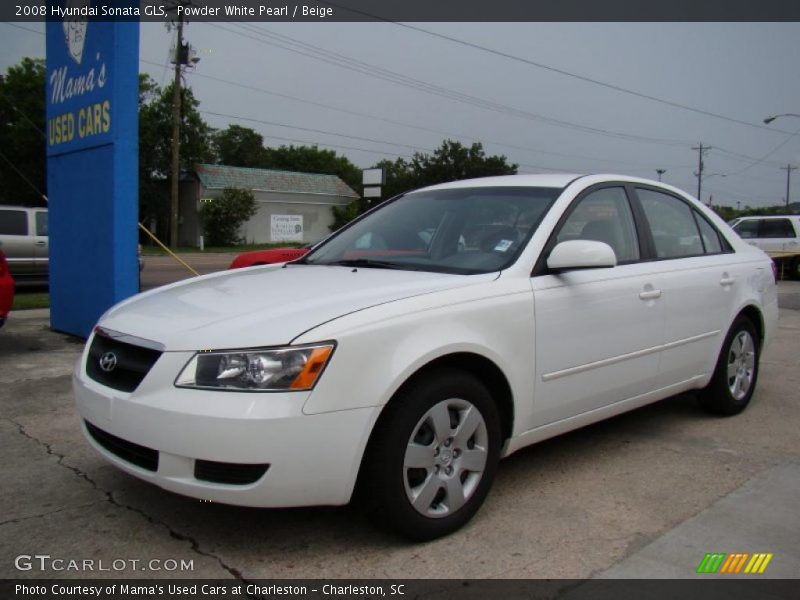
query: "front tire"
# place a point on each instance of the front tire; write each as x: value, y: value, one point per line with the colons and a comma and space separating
x: 433, y: 456
x: 734, y: 379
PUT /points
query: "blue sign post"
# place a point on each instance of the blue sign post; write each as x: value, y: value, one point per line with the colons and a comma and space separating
x: 92, y: 168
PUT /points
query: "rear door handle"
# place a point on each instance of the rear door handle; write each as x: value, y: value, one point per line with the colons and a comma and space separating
x: 41, y: 243
x: 727, y: 281
x: 650, y: 294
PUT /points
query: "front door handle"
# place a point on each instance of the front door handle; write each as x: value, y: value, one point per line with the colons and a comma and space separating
x: 650, y: 294
x: 41, y: 243
x: 727, y: 281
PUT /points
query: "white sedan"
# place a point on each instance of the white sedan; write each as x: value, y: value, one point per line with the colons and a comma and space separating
x: 404, y: 356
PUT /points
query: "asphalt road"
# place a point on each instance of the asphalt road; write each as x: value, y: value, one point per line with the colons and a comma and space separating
x: 160, y: 270
x: 645, y: 494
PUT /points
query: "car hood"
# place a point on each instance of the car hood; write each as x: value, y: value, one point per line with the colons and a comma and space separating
x: 266, y: 306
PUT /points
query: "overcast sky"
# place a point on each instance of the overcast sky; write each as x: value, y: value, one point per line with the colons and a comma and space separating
x: 743, y: 71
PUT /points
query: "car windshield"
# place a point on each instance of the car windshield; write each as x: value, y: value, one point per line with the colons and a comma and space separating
x: 462, y: 230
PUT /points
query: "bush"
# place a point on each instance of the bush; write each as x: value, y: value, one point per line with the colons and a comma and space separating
x: 223, y: 216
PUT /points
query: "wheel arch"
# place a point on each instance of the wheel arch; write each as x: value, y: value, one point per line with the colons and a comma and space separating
x: 486, y: 371
x: 475, y: 364
x: 756, y: 317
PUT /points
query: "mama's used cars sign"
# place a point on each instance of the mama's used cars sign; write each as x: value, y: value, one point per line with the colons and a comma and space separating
x: 92, y: 163
x: 79, y: 85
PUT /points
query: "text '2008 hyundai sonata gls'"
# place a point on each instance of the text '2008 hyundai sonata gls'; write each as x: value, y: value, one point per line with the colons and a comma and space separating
x: 406, y: 354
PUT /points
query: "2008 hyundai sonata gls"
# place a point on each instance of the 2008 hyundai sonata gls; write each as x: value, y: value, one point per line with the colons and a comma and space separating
x: 406, y: 354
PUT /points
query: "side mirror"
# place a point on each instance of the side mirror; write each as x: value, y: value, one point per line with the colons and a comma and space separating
x: 581, y: 254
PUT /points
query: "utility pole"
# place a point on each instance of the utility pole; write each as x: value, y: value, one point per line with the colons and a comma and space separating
x: 176, y: 140
x: 700, y: 150
x: 788, y: 168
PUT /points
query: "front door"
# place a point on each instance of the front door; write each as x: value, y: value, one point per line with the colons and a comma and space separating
x: 598, y: 331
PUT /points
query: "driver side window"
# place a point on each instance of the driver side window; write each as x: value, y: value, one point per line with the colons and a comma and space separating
x: 604, y: 215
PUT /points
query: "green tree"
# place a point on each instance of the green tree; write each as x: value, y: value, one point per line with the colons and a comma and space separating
x: 238, y: 146
x: 399, y: 177
x: 155, y: 145
x: 223, y: 216
x: 153, y: 188
x: 453, y: 161
x: 22, y: 137
x: 449, y: 162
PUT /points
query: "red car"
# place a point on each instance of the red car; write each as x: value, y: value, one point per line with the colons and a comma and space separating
x: 268, y: 257
x: 6, y: 289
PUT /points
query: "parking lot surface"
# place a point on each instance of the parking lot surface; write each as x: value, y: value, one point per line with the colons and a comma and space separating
x: 646, y: 494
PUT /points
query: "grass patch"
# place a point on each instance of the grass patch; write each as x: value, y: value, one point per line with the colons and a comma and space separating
x: 30, y: 301
x: 156, y: 251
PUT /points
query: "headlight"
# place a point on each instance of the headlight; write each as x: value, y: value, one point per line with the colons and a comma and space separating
x: 293, y: 368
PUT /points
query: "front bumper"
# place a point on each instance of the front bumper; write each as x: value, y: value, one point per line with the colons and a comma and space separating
x: 313, y: 459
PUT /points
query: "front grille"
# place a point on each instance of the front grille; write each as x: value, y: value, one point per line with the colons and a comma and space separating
x: 132, y: 363
x: 231, y: 473
x: 141, y: 456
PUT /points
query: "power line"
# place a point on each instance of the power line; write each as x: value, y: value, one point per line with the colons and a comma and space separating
x: 22, y: 175
x: 459, y: 96
x: 24, y: 28
x: 403, y: 124
x: 552, y: 69
x: 372, y: 151
x: 292, y: 45
x: 312, y: 130
x: 768, y: 154
x: 371, y: 140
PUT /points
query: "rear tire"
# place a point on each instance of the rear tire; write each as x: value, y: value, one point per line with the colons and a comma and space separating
x: 794, y: 269
x: 432, y: 457
x: 735, y: 375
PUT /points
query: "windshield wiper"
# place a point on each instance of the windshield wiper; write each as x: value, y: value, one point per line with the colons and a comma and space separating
x: 369, y: 263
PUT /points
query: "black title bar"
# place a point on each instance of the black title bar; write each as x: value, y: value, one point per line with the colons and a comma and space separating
x: 708, y: 588
x: 405, y: 10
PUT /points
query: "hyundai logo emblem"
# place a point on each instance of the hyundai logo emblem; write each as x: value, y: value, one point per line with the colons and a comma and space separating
x: 108, y: 362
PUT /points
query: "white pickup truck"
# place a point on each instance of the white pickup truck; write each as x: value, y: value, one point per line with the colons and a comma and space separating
x: 777, y: 235
x: 23, y: 238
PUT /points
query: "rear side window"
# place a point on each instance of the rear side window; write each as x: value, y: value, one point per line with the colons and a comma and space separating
x: 41, y: 222
x: 775, y: 228
x: 13, y: 222
x: 672, y: 224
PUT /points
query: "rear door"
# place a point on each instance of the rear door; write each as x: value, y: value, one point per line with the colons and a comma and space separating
x: 700, y: 276
x: 41, y: 241
x: 15, y: 241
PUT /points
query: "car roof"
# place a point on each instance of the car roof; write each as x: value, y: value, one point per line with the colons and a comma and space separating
x: 553, y: 180
x: 769, y: 217
x: 548, y: 180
